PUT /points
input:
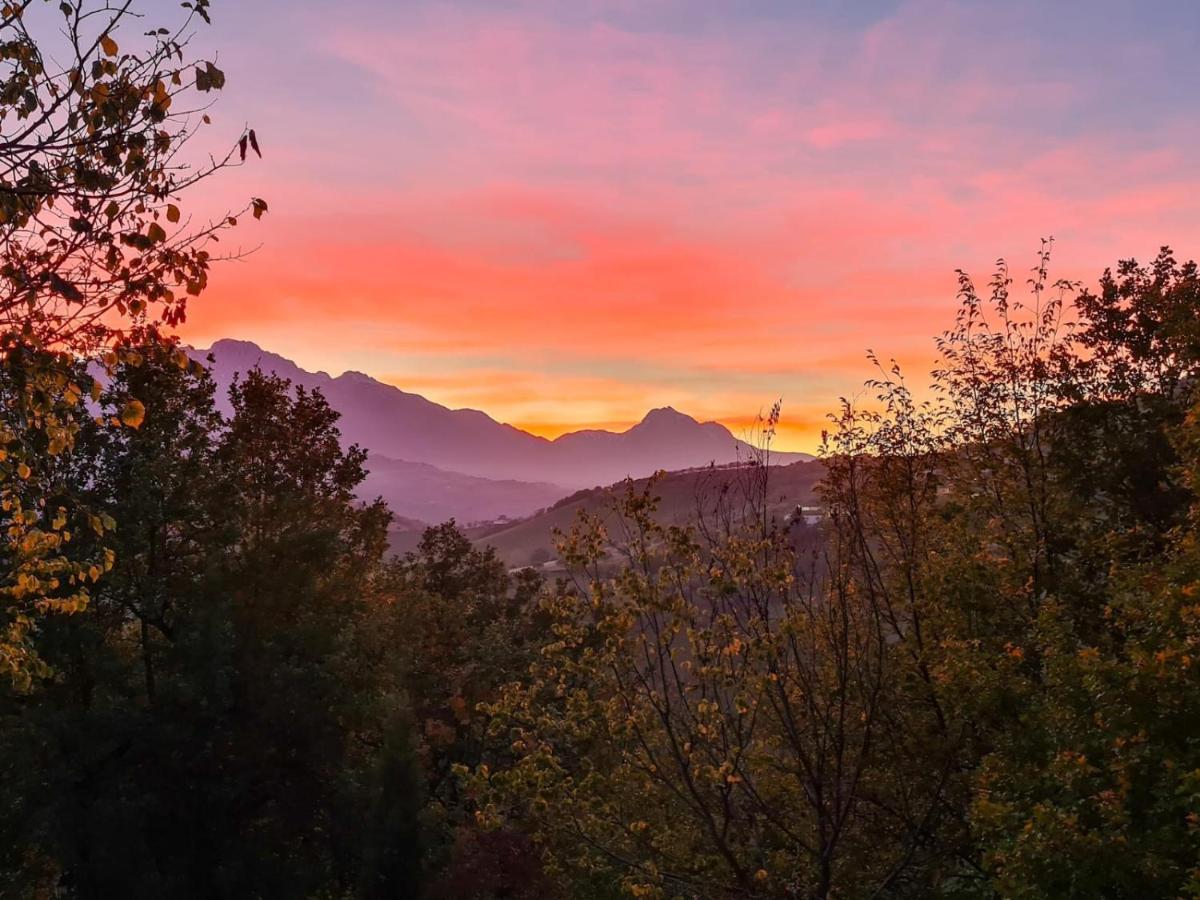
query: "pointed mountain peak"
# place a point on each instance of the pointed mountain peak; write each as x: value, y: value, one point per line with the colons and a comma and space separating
x: 241, y: 353
x: 667, y: 415
x: 240, y: 356
x: 233, y: 345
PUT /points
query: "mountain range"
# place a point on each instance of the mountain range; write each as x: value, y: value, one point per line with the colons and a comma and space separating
x: 432, y: 463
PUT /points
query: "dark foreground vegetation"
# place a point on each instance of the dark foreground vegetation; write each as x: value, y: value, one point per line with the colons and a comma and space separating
x: 975, y: 678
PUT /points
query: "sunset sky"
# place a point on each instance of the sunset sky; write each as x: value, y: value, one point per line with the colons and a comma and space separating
x: 566, y: 213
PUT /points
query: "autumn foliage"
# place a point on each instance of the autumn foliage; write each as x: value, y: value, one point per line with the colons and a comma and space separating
x: 980, y: 683
x: 95, y: 251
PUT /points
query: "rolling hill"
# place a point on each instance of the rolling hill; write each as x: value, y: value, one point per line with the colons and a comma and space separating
x: 683, y: 497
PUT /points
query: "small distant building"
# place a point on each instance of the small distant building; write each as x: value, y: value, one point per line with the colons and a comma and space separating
x: 809, y: 515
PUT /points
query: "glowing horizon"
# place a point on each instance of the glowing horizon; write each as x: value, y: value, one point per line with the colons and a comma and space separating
x: 566, y: 214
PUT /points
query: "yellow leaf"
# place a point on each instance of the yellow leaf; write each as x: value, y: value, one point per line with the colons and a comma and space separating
x: 133, y: 414
x: 109, y: 45
x: 23, y: 470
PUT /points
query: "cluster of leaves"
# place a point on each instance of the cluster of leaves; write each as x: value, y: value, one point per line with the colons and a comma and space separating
x: 93, y: 168
x: 40, y: 574
x: 95, y: 252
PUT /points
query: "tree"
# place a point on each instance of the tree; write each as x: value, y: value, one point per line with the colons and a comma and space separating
x: 305, y: 692
x: 94, y: 248
x: 226, y: 717
x: 704, y: 721
x: 462, y: 627
x: 1031, y: 527
x: 92, y: 167
x: 93, y: 746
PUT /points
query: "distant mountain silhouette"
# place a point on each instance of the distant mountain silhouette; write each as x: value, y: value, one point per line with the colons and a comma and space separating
x: 428, y: 494
x: 403, y: 426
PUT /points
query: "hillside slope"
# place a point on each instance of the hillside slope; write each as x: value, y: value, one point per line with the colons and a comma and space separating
x: 683, y: 497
